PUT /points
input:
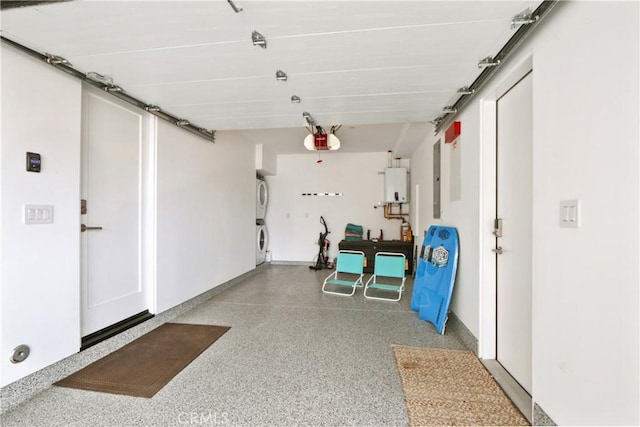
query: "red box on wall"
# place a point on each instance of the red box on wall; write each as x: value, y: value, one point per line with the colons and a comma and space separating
x: 452, y: 132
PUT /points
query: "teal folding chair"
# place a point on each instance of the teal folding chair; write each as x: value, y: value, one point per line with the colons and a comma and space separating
x: 388, y: 275
x: 348, y: 273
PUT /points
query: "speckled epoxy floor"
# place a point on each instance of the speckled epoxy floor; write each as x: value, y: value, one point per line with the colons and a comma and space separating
x: 293, y: 356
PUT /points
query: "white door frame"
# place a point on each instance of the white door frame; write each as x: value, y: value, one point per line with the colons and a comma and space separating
x: 488, y: 308
x: 148, y: 228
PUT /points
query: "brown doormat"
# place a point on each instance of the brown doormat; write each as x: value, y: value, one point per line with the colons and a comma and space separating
x: 142, y: 367
x: 452, y: 388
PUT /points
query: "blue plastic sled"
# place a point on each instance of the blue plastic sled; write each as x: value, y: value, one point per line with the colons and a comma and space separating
x: 435, y: 276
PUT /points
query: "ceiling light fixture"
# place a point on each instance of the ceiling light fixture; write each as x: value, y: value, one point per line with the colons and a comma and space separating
x: 295, y: 99
x: 281, y: 76
x: 183, y: 122
x: 449, y: 109
x: 258, y: 39
x: 152, y: 108
x: 235, y: 8
x: 488, y: 62
x: 524, y: 18
x: 466, y: 90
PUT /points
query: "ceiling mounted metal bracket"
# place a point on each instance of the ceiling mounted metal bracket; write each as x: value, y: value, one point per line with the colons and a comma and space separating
x: 113, y: 88
x: 488, y: 62
x: 97, y: 77
x: 437, y: 120
x: 525, y: 17
x: 465, y: 90
x: 258, y: 39
x: 236, y: 8
x: 488, y: 72
x: 56, y: 60
x: 281, y: 76
x: 209, y: 132
x: 309, y: 119
x: 11, y: 4
x: 106, y: 83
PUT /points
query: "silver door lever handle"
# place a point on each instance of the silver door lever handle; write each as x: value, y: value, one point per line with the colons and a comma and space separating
x: 497, y: 250
x: 84, y: 228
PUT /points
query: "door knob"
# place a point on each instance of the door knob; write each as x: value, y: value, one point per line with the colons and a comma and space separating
x: 84, y: 228
x: 497, y: 250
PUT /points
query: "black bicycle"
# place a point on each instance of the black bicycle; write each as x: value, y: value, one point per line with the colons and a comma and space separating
x: 323, y: 251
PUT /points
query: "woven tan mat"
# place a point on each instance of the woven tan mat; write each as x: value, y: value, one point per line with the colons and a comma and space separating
x: 142, y: 367
x: 452, y: 388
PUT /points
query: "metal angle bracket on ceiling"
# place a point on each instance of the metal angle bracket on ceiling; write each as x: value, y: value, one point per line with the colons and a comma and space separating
x: 12, y: 4
x: 497, y: 61
x: 104, y: 83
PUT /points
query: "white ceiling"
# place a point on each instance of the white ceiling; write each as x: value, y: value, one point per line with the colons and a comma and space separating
x: 382, y: 69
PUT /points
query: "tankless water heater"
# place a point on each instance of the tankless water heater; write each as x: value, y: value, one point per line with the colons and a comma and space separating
x: 395, y: 185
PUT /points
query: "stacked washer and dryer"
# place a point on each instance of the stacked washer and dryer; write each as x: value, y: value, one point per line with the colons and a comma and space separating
x: 262, y: 236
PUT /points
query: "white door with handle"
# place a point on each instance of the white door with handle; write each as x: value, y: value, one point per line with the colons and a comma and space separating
x: 113, y: 136
x: 514, y: 196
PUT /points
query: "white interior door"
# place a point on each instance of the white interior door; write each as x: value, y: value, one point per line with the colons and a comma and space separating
x: 514, y: 208
x: 113, y: 137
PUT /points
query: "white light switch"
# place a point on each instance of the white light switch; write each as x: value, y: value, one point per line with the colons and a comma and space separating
x: 570, y: 213
x: 38, y: 214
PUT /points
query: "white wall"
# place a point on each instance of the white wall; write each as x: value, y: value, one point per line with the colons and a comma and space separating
x: 462, y: 213
x: 266, y: 160
x: 39, y: 263
x: 586, y: 333
x: 293, y: 220
x: 205, y: 212
x: 585, y: 295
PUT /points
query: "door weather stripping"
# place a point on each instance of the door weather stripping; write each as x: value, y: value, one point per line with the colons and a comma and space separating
x: 106, y: 84
x: 527, y: 21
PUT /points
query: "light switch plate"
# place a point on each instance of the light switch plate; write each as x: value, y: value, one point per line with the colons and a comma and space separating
x: 38, y: 214
x: 570, y: 213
